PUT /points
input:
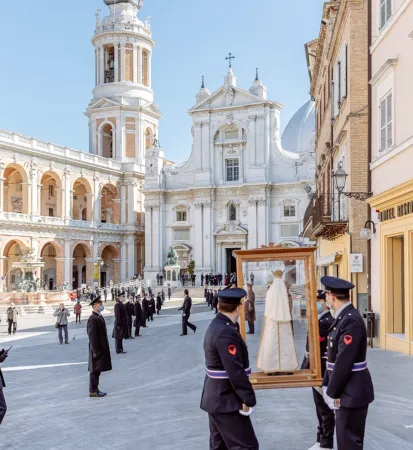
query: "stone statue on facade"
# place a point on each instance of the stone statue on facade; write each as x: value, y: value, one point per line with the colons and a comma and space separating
x: 172, y: 258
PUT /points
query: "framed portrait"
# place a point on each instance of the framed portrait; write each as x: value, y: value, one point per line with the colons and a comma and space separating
x: 279, y: 318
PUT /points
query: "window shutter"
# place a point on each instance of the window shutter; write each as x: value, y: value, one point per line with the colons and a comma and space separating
x: 336, y: 98
x: 332, y: 94
x: 343, y: 70
x: 383, y: 125
x: 382, y: 13
x: 389, y: 10
x: 389, y: 121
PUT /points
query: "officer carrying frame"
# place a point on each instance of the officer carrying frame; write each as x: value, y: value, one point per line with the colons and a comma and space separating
x: 297, y: 378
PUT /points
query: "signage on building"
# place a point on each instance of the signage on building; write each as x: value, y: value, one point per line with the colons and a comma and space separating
x: 399, y: 211
x: 356, y: 263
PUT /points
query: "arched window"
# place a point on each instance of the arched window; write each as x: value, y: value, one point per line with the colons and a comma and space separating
x: 84, y: 214
x: 107, y: 141
x: 232, y: 213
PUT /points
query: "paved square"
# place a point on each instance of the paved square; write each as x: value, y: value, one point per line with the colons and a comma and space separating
x: 154, y: 393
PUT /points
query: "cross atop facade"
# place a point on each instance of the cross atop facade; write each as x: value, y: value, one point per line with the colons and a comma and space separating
x: 230, y: 58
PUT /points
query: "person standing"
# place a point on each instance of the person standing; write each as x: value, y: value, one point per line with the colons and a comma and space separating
x: 158, y: 303
x: 186, y: 312
x: 325, y: 416
x: 61, y: 315
x: 206, y: 280
x: 120, y: 327
x: 250, y: 315
x: 347, y: 385
x: 157, y: 279
x: 138, y: 315
x: 214, y: 301
x: 12, y: 314
x: 130, y: 311
x: 78, y: 311
x: 169, y: 291
x: 163, y: 296
x: 152, y: 308
x: 99, y: 351
x: 145, y: 310
x: 105, y: 294
x: 202, y: 279
x: 228, y: 396
x: 3, y: 405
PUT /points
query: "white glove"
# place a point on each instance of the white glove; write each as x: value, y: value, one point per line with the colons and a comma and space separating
x: 245, y: 413
x: 330, y: 402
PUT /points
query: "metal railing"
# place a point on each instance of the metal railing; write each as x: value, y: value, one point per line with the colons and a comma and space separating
x: 330, y: 208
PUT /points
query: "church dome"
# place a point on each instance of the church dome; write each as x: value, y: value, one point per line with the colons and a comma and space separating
x: 299, y: 134
x: 137, y: 3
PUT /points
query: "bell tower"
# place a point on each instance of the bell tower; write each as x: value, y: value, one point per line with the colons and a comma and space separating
x: 123, y: 119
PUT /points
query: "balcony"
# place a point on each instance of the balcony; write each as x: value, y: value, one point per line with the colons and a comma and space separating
x: 330, y: 216
x: 308, y: 219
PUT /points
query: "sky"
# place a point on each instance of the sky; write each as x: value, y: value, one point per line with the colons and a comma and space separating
x: 47, y: 62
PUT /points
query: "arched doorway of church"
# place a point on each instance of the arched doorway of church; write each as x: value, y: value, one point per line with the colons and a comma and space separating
x: 11, y: 254
x: 109, y: 205
x: 79, y: 266
x: 48, y: 255
x: 82, y: 200
x: 51, y: 195
x: 107, y: 141
x: 108, y: 269
x: 16, y: 190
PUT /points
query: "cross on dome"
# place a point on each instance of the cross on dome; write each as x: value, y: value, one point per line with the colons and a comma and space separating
x: 230, y: 58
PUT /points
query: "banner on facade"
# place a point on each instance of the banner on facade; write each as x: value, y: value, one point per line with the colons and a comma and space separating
x: 96, y: 272
x: 356, y: 263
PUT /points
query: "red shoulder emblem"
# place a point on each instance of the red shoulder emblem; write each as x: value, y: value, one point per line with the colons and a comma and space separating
x: 348, y: 339
x: 322, y: 339
x: 232, y: 350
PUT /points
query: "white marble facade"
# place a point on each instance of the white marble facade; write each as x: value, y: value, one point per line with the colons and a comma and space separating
x: 239, y: 189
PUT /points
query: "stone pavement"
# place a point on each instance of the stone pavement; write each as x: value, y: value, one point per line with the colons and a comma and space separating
x: 154, y: 392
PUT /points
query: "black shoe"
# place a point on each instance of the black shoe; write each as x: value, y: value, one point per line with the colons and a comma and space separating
x: 102, y: 393
x: 96, y: 394
x: 249, y: 332
x: 131, y: 337
x: 183, y: 335
x: 195, y: 330
x: 66, y: 342
x: 121, y: 353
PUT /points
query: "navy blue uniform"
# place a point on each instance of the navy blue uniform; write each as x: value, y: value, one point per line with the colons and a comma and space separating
x: 347, y: 377
x: 227, y: 387
x: 3, y: 406
x: 325, y: 416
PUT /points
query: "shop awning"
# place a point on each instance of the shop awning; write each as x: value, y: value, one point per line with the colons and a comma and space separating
x: 329, y: 259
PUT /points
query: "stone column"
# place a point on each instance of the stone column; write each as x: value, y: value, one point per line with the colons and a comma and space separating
x: 3, y: 259
x: 60, y: 269
x: 252, y: 223
x: 67, y: 204
x: 96, y: 200
x: 101, y: 64
x: 116, y: 44
x: 90, y: 263
x: 123, y: 262
x: 93, y: 144
x: 68, y: 272
x: 207, y: 237
x: 122, y: 61
x: 34, y: 211
x: 97, y: 80
x: 122, y: 203
x: 199, y: 237
x: 135, y: 64
x: 131, y: 256
x: 140, y: 71
x: 116, y: 271
x: 149, y: 69
x: 262, y: 222
x: 1, y: 194
x: 132, y: 200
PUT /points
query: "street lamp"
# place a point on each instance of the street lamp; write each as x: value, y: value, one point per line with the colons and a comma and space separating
x: 366, y: 233
x: 340, y: 178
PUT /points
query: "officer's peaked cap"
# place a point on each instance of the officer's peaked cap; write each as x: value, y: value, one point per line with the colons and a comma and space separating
x: 232, y: 295
x: 337, y: 285
x: 98, y: 299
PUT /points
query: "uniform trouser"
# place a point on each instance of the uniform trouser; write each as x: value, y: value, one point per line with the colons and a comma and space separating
x: 61, y: 329
x: 251, y: 326
x: 231, y: 431
x: 12, y: 324
x: 94, y: 382
x: 186, y: 324
x: 3, y: 406
x: 350, y: 427
x: 130, y: 326
x: 119, y: 345
x: 326, y: 421
x: 137, y: 328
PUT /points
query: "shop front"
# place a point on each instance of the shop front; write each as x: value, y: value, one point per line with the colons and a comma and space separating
x: 392, y: 267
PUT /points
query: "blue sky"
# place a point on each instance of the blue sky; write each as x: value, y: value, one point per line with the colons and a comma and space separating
x: 47, y: 63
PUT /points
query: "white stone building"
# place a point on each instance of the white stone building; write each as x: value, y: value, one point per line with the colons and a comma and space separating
x: 239, y: 189
x: 82, y: 213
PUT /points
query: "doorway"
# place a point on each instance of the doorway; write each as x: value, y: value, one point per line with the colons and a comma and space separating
x: 231, y: 261
x: 102, y: 279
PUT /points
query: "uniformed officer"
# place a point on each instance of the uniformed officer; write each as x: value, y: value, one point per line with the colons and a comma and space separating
x: 325, y: 416
x: 228, y: 396
x: 3, y: 406
x: 347, y: 384
x: 99, y: 352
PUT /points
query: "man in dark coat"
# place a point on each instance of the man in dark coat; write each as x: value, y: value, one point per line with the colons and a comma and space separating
x: 347, y: 385
x: 228, y: 396
x: 325, y: 416
x: 158, y: 303
x: 130, y: 311
x: 152, y: 308
x: 250, y: 315
x: 120, y: 328
x: 3, y: 406
x: 145, y: 310
x: 186, y: 312
x: 138, y: 315
x: 99, y: 351
x: 163, y: 296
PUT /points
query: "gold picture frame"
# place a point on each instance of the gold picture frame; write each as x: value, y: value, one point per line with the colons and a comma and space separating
x: 298, y: 378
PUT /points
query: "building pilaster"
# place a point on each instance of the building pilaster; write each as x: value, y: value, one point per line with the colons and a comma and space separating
x: 131, y: 256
